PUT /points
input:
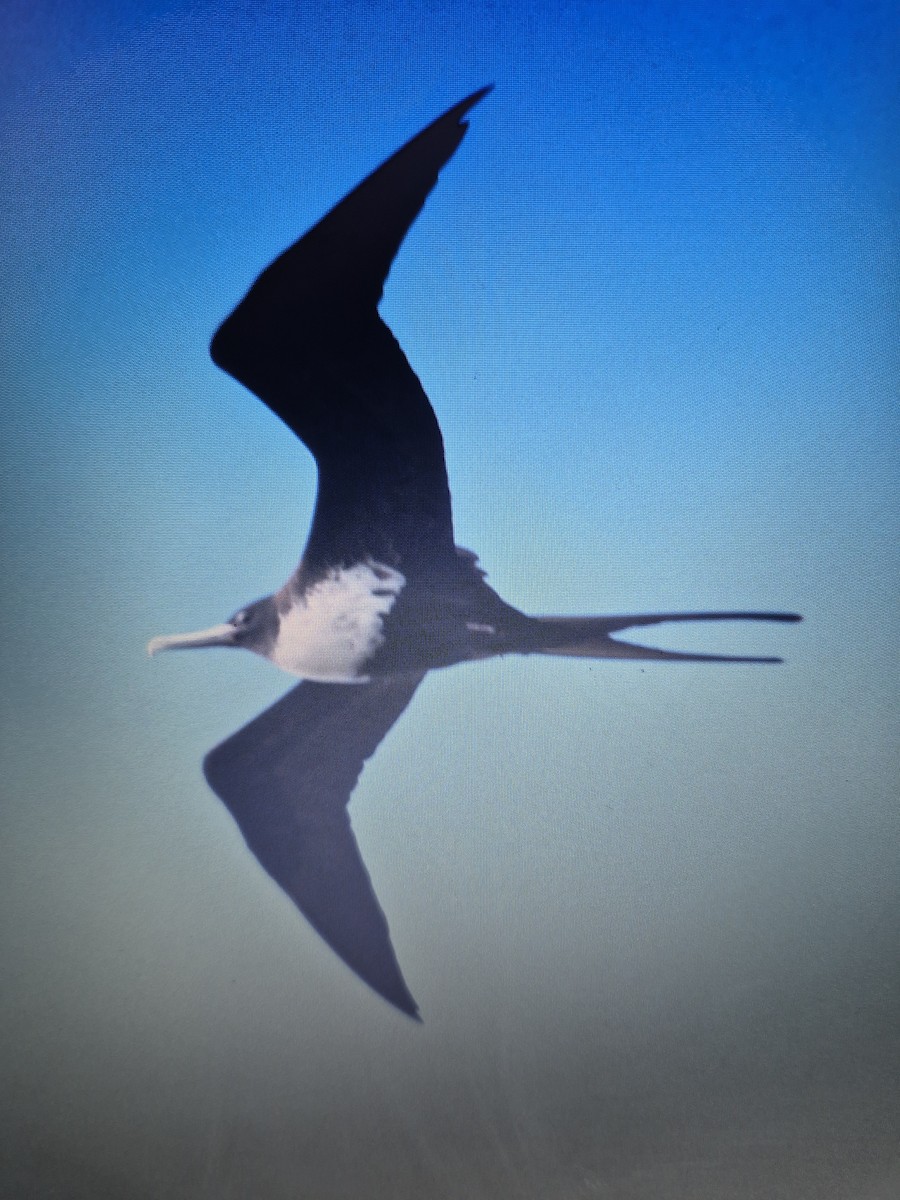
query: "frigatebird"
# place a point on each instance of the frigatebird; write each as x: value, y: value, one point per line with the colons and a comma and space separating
x: 382, y: 593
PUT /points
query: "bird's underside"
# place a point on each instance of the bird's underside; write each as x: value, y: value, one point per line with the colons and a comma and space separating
x: 381, y: 595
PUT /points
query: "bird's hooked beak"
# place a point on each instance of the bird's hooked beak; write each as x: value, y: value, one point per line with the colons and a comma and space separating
x: 216, y: 635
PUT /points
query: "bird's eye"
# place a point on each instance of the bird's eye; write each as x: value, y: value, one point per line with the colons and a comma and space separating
x: 240, y: 618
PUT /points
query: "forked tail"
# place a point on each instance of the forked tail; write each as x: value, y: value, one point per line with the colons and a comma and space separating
x: 591, y: 637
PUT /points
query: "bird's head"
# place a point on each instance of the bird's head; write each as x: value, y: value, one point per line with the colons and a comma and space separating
x: 253, y: 627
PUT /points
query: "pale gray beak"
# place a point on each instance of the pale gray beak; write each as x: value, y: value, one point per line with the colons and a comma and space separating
x: 216, y: 635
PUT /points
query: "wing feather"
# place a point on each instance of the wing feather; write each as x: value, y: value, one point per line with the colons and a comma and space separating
x: 286, y: 778
x: 307, y: 339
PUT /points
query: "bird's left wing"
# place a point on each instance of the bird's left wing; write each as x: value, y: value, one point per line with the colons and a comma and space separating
x: 308, y: 340
x: 333, y: 276
x: 286, y: 778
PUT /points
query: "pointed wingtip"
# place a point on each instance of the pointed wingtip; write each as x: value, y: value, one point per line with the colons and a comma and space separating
x: 475, y: 97
x: 402, y: 999
x: 391, y: 986
x: 463, y: 107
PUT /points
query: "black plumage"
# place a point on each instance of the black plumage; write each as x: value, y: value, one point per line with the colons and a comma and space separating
x: 308, y: 340
x: 286, y: 778
x: 381, y: 594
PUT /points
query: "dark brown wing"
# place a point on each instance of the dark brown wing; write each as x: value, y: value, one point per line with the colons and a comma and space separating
x: 286, y: 778
x: 308, y: 341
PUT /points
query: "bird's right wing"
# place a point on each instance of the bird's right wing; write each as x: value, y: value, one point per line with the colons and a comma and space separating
x: 286, y: 778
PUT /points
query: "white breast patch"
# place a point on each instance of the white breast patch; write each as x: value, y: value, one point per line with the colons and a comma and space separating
x: 329, y: 633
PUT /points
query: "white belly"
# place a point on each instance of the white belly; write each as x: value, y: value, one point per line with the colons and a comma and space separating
x: 328, y: 634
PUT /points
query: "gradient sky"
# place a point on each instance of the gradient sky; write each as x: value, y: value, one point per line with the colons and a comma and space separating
x: 650, y: 913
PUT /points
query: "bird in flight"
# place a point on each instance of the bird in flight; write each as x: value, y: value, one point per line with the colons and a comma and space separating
x: 382, y: 594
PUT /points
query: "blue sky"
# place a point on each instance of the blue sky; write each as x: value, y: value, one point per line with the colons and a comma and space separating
x: 653, y: 301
